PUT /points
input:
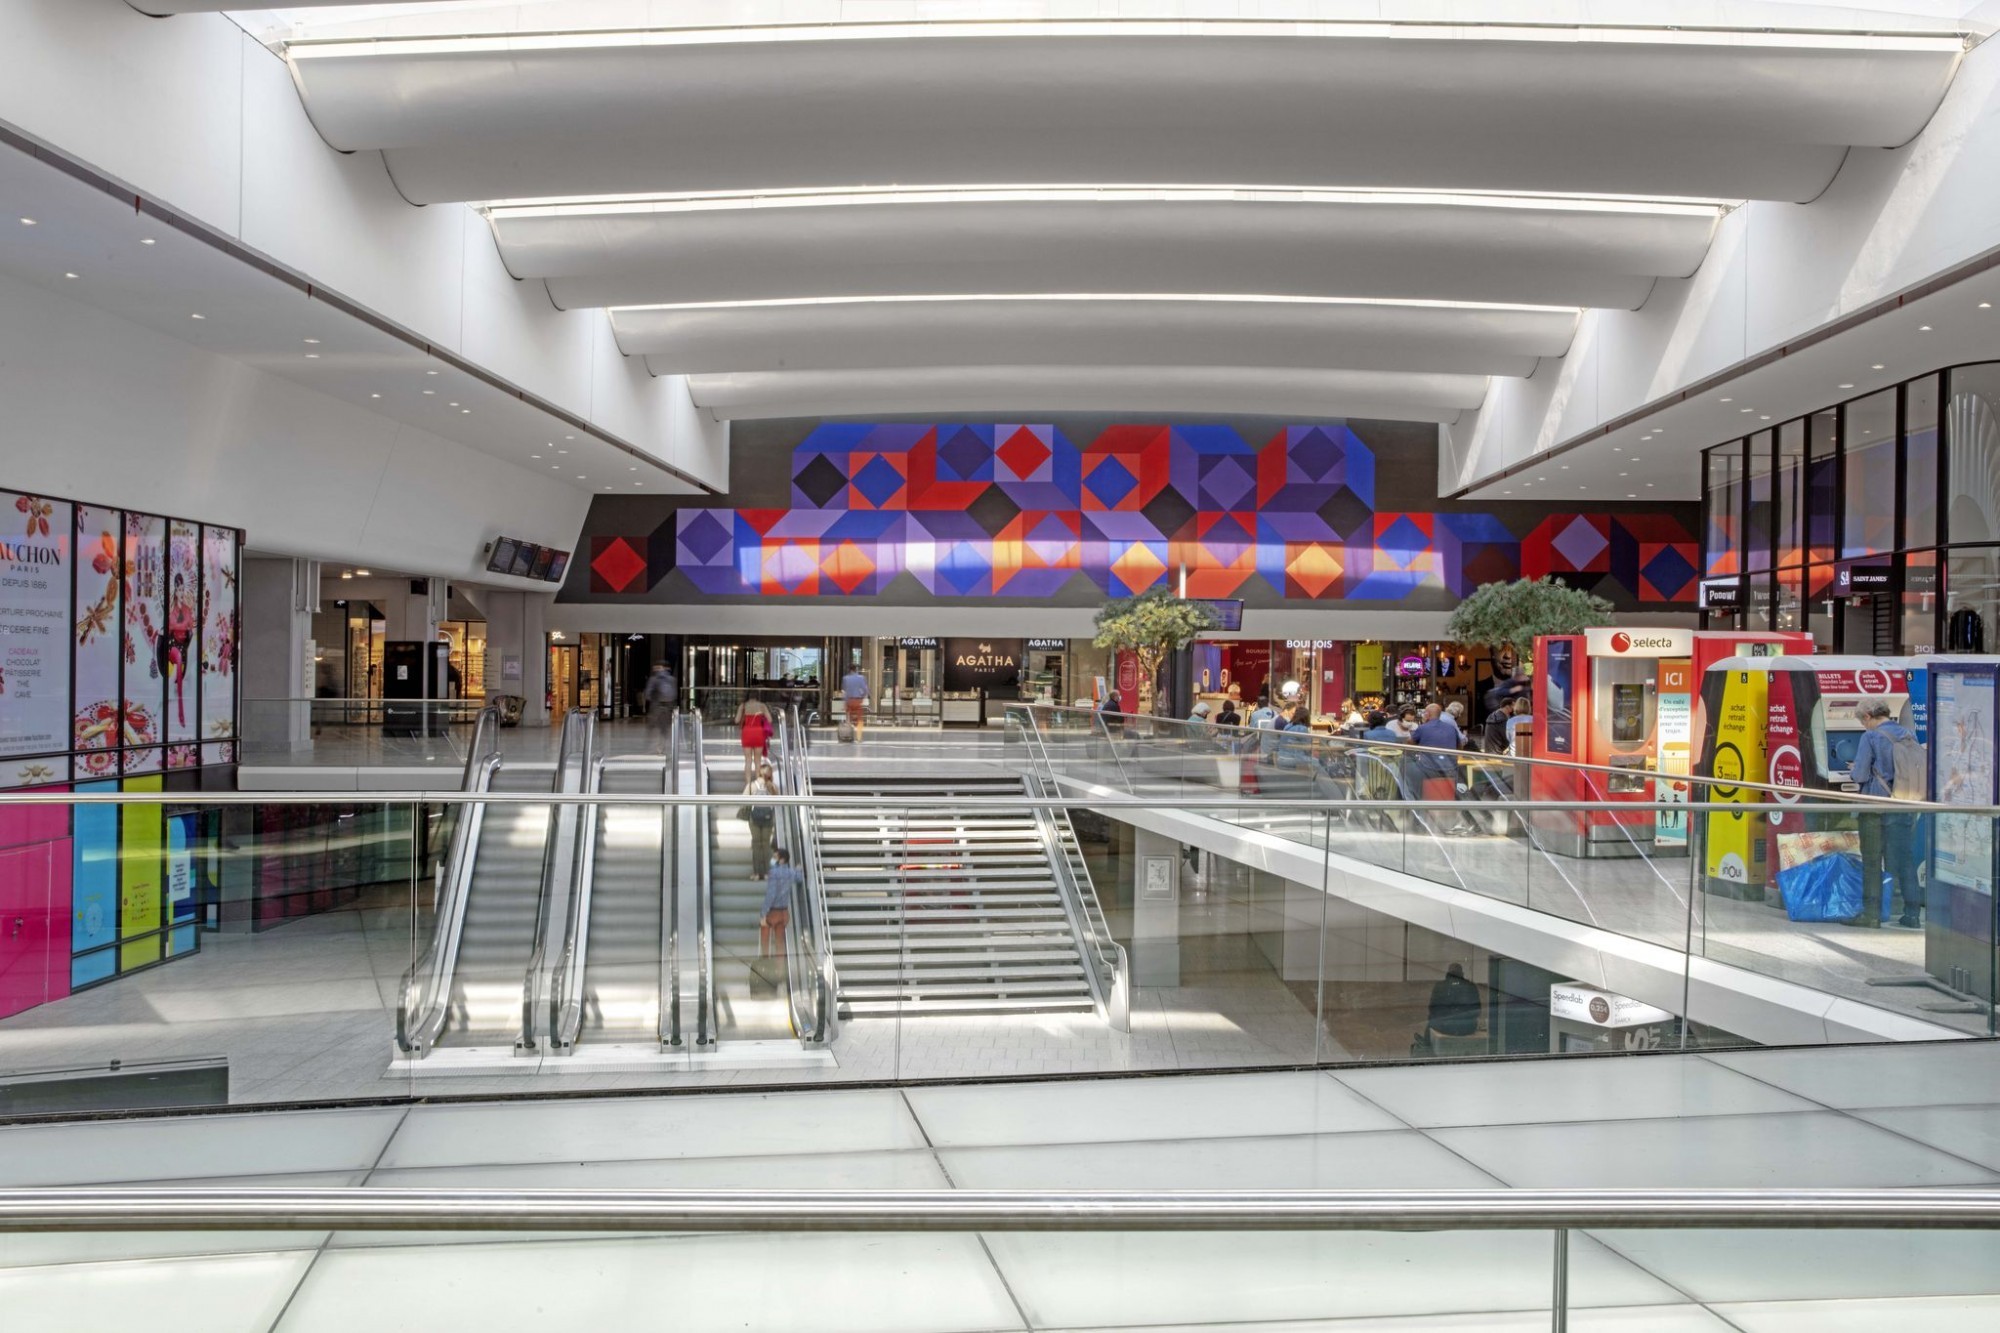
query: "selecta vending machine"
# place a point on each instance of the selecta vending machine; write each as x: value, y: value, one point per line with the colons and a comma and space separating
x: 1785, y: 722
x: 1626, y: 700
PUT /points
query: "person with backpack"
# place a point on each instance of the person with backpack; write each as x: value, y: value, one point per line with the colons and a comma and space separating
x: 763, y: 820
x: 1888, y: 762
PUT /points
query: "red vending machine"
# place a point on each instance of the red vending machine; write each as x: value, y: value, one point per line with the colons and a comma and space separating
x: 1627, y: 700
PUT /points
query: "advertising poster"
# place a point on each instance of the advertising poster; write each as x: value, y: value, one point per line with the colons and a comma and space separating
x: 35, y: 537
x: 1674, y: 725
x: 982, y: 664
x: 100, y: 579
x: 1734, y: 702
x: 142, y: 832
x: 181, y: 648
x: 145, y: 595
x: 1368, y: 668
x: 94, y: 894
x: 218, y: 636
x: 181, y: 844
x: 1961, y: 708
x: 1559, y: 680
x: 1790, y: 759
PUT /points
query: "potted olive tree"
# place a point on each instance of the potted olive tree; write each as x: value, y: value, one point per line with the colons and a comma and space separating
x: 1513, y: 615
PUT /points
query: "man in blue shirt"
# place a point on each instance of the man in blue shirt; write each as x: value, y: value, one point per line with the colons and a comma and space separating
x: 854, y: 694
x: 1888, y: 841
x: 1439, y: 732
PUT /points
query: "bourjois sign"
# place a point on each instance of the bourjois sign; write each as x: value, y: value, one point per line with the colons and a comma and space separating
x: 982, y: 664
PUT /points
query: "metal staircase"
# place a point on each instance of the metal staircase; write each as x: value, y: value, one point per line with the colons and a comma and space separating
x: 940, y: 910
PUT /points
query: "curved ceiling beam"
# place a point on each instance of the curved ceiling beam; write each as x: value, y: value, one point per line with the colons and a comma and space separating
x: 1716, y: 114
x: 1146, y: 390
x: 1314, y: 243
x: 1094, y: 330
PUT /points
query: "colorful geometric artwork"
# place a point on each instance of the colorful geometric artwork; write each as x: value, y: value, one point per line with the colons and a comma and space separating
x: 1018, y: 510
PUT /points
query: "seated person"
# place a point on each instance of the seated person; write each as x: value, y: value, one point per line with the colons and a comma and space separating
x: 1455, y: 1006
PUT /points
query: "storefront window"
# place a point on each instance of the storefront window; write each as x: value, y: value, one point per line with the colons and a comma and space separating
x: 1917, y: 634
x: 1791, y: 600
x: 1760, y: 518
x: 1973, y: 427
x: 1869, y: 524
x: 1819, y: 606
x: 1920, y: 461
x: 1720, y: 510
x: 1972, y: 593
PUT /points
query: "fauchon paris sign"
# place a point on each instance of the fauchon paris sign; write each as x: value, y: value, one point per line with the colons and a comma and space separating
x: 982, y: 664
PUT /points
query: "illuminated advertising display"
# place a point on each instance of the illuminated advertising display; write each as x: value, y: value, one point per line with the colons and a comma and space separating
x: 95, y: 731
x: 178, y: 648
x: 142, y: 835
x: 218, y: 645
x: 145, y: 595
x: 180, y: 882
x: 35, y: 537
x: 1962, y: 773
x: 1734, y: 703
x: 1674, y: 722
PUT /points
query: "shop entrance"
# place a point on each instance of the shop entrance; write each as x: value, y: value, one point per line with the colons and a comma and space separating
x: 567, y: 680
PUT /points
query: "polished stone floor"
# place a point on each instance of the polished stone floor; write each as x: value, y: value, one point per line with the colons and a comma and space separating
x: 1912, y: 1115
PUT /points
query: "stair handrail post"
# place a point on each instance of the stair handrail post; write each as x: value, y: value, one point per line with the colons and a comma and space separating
x: 424, y: 999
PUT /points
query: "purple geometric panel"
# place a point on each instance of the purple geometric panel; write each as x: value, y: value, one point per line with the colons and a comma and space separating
x: 1316, y: 454
x: 1669, y: 571
x: 1580, y: 542
x: 879, y: 481
x: 965, y: 453
x: 1225, y: 482
x: 703, y: 538
x: 806, y: 523
x: 818, y: 480
x: 1111, y: 481
x: 965, y: 569
x: 1403, y: 542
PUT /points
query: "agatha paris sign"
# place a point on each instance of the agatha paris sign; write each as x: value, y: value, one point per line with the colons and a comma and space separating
x: 982, y: 664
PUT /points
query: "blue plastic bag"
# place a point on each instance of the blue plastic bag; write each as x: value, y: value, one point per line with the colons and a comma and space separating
x: 1826, y: 888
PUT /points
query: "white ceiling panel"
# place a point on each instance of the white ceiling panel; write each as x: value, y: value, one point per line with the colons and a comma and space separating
x: 1315, y: 243
x: 1146, y: 390
x: 1709, y: 113
x: 1093, y: 330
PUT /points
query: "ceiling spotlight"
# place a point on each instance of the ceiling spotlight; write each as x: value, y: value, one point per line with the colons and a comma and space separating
x: 535, y: 456
x: 1843, y: 386
x: 362, y: 572
x: 146, y: 240
x: 631, y: 469
x: 1565, y: 467
x: 1923, y: 328
x: 453, y: 404
x: 347, y: 573
x: 1631, y: 497
x: 430, y: 393
x: 27, y: 222
x: 312, y: 356
x: 69, y: 275
x: 1746, y: 409
x: 1985, y: 305
x: 1624, y: 474
x: 197, y: 316
x: 607, y: 488
x: 1763, y: 418
x: 1878, y: 366
x: 555, y: 467
x: 430, y: 372
x: 374, y: 395
x: 465, y: 411
x: 569, y: 437
x: 312, y: 342
x: 581, y: 477
x: 1728, y: 400
x: 636, y: 483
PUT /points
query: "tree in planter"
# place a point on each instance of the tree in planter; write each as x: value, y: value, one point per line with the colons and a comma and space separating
x: 1152, y: 627
x: 1513, y: 615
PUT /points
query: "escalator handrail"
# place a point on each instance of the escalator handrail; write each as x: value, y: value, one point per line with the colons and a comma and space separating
x: 707, y: 1020
x: 669, y: 1031
x: 420, y: 1015
x: 559, y: 887
x: 804, y: 1014
x: 809, y: 894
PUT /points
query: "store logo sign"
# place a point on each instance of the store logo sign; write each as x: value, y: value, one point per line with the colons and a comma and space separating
x: 1640, y: 643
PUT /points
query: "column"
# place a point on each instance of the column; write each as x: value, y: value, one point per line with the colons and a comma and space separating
x: 278, y: 598
x: 1156, y: 910
x: 516, y: 650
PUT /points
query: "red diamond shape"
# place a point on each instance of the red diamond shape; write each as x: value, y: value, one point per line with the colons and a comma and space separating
x: 616, y: 565
x: 1023, y: 453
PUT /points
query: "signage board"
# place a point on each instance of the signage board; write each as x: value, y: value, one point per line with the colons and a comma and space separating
x: 1048, y: 645
x: 1639, y: 642
x: 1602, y: 1008
x: 1722, y: 596
x: 35, y: 545
x: 1674, y: 727
x: 917, y: 641
x: 982, y: 664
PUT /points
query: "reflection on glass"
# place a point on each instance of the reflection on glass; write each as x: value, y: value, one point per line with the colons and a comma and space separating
x: 1869, y: 522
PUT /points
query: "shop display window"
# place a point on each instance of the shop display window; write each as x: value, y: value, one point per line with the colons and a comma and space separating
x: 1920, y: 462
x: 1868, y: 524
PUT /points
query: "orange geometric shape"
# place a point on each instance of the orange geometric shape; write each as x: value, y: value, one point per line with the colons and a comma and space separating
x: 1138, y: 568
x: 1313, y: 567
x: 847, y: 567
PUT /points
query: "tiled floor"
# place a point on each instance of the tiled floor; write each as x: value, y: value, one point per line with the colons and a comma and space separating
x: 1757, y: 1118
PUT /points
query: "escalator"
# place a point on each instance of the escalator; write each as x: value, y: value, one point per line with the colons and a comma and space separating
x: 630, y: 884
x: 499, y: 930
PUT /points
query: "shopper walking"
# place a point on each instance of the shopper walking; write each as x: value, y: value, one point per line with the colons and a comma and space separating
x: 762, y: 818
x: 1438, y: 732
x: 753, y: 729
x: 662, y: 695
x: 854, y: 698
x: 776, y: 913
x: 1888, y: 840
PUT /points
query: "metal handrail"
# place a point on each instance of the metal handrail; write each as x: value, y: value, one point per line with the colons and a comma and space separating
x: 366, y: 1208
x: 1185, y: 730
x: 561, y: 885
x: 420, y: 1014
x: 1106, y: 972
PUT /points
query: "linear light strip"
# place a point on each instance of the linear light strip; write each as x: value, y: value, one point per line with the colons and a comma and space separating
x: 1287, y: 29
x: 783, y: 302
x: 639, y: 204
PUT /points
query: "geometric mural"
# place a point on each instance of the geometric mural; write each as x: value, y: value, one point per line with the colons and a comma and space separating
x: 1019, y: 510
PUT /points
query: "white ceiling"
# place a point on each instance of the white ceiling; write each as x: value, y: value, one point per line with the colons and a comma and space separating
x: 143, y: 268
x: 1309, y: 207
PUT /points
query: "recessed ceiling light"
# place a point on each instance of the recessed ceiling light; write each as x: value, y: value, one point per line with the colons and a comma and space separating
x: 1985, y: 305
x: 362, y: 572
x: 430, y: 372
x: 569, y: 437
x: 1632, y: 497
x: 1746, y: 409
x: 374, y: 395
x: 197, y: 316
x: 145, y: 240
x: 1565, y: 467
x: 312, y: 356
x: 581, y: 477
x: 1923, y: 328
x: 607, y: 488
x: 631, y: 469
x: 1649, y: 483
x: 534, y: 456
x: 430, y: 393
x: 554, y: 467
x: 636, y: 483
x: 69, y: 275
x: 1763, y: 418
x: 27, y: 222
x: 1624, y: 474
x: 1843, y: 386
x: 465, y: 411
x: 347, y: 573
x: 562, y: 451
x: 1728, y: 400
x: 452, y: 404
x: 312, y: 342
x: 1878, y: 366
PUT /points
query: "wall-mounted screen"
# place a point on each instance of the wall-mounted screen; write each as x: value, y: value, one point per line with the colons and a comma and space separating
x: 502, y: 559
x: 558, y: 566
x: 543, y: 557
x: 524, y: 560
